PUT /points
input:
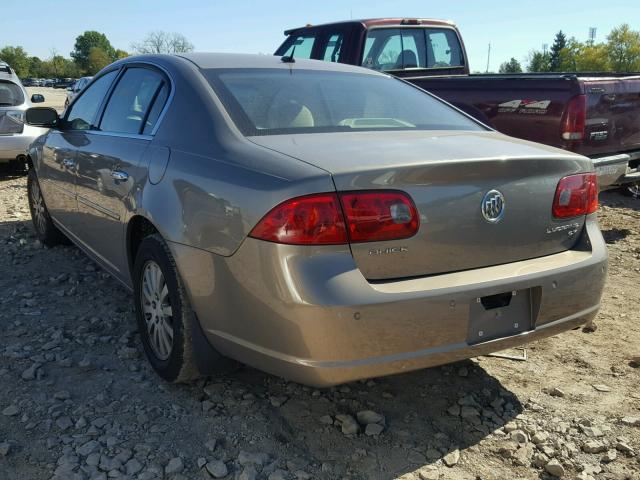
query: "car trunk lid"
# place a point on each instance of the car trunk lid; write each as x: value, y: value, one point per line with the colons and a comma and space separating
x: 448, y: 175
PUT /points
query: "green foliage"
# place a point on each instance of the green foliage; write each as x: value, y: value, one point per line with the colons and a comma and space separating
x: 538, y: 62
x: 17, y: 58
x: 88, y: 41
x: 98, y: 59
x: 512, y: 66
x: 559, y: 43
x: 623, y: 46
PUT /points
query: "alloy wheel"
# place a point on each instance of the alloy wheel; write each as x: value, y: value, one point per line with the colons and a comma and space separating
x: 157, y: 311
x: 38, y: 208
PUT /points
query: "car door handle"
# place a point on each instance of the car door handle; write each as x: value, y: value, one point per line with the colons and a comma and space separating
x: 68, y: 163
x: 119, y: 175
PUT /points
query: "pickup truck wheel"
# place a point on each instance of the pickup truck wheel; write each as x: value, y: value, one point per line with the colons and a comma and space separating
x: 45, y: 229
x: 163, y: 312
x: 631, y: 190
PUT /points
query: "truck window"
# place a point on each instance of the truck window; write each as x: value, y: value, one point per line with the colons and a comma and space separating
x: 443, y: 48
x: 406, y: 48
x: 331, y: 51
x: 303, y: 45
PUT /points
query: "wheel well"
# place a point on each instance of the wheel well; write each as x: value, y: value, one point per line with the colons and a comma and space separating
x: 139, y: 228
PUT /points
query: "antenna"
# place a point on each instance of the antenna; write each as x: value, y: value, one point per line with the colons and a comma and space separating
x: 289, y: 58
x: 544, y: 48
x: 592, y: 34
x: 488, y: 57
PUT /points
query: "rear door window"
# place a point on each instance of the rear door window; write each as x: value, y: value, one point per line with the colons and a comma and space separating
x: 300, y: 46
x: 10, y: 94
x: 443, y: 48
x: 131, y: 100
x: 83, y: 111
x: 332, y: 48
x: 156, y: 109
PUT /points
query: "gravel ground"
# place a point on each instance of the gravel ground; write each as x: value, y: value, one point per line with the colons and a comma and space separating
x: 80, y: 402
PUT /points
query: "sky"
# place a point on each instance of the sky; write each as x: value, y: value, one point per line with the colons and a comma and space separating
x: 513, y: 28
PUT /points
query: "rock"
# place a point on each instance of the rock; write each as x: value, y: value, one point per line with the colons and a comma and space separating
x: 540, y: 460
x: 246, y: 458
x: 201, y: 462
x: 454, y: 410
x: 5, y: 448
x: 326, y: 420
x: 593, y: 432
x: 248, y: 473
x: 217, y: 469
x: 11, y: 411
x: 64, y: 423
x: 366, y: 417
x: 30, y: 373
x: 468, y: 412
x: 348, y: 424
x: 278, y: 401
x: 594, y: 446
x: 556, y: 392
x: 428, y: 474
x: 631, y: 421
x: 519, y: 436
x: 278, y: 475
x: 555, y: 468
x: 634, y: 362
x: 175, y: 465
x: 600, y: 387
x: 610, y: 456
x: 540, y: 437
x: 88, y: 448
x: 373, y: 430
x: 452, y: 458
x: 211, y: 444
x: 133, y: 466
x: 626, y: 449
x: 416, y: 458
x: 463, y: 372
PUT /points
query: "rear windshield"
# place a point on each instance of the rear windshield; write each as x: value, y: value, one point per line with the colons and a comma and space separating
x: 283, y: 101
x: 10, y: 94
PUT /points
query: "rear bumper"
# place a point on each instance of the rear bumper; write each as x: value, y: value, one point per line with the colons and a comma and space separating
x: 12, y: 146
x: 616, y: 169
x: 310, y: 316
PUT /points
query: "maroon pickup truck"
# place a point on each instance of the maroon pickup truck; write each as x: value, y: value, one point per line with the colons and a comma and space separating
x: 594, y: 114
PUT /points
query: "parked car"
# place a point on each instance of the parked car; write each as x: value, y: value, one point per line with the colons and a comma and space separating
x: 75, y: 89
x: 63, y: 83
x: 594, y: 114
x: 15, y: 136
x: 29, y: 82
x: 318, y: 221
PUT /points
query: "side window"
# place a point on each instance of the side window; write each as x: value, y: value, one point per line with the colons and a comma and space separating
x: 156, y: 108
x: 303, y: 45
x: 413, y: 49
x: 331, y: 51
x: 382, y: 49
x: 131, y: 100
x: 443, y: 49
x: 85, y: 108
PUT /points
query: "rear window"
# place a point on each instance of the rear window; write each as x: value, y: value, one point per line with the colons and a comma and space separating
x: 281, y: 101
x: 405, y: 48
x: 10, y: 94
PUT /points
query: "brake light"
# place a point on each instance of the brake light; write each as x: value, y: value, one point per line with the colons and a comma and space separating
x: 576, y: 195
x: 377, y: 216
x: 319, y: 219
x: 575, y: 116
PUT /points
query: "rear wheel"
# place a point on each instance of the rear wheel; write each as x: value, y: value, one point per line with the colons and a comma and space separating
x: 163, y: 312
x: 631, y: 190
x: 45, y: 229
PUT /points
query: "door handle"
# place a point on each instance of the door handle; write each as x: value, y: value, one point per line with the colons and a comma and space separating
x: 68, y: 163
x: 119, y: 175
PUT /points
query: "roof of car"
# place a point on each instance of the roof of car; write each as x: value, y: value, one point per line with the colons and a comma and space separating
x: 243, y: 60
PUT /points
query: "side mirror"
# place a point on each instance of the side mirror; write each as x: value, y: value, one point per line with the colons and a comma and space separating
x: 70, y: 89
x: 37, y: 98
x: 42, y: 117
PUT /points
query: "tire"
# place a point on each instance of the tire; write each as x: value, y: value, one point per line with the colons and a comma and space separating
x: 631, y: 190
x: 174, y: 362
x: 45, y: 229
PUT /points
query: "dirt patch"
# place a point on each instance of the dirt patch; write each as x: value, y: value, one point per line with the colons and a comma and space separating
x: 79, y: 400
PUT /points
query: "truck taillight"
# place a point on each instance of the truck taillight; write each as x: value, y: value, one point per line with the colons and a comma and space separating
x: 333, y: 219
x: 575, y: 116
x: 576, y: 195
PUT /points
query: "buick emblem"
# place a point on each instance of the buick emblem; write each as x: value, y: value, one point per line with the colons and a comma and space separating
x: 492, y: 206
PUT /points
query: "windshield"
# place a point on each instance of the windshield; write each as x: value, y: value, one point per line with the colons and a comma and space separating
x: 282, y: 101
x: 10, y: 94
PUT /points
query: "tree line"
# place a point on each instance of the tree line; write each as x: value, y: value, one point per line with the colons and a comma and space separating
x: 619, y: 53
x: 91, y: 53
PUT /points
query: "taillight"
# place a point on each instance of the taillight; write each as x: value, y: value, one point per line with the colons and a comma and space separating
x: 377, y: 216
x: 576, y: 195
x: 319, y: 219
x: 575, y: 116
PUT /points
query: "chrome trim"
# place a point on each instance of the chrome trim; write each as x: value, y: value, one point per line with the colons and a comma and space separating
x: 118, y: 134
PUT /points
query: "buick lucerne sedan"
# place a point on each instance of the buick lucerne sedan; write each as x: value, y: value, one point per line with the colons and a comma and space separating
x: 315, y: 220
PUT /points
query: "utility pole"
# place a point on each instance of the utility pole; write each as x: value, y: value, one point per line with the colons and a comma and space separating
x: 592, y: 35
x: 488, y: 57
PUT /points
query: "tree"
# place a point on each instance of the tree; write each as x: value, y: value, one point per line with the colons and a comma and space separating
x: 623, y: 46
x: 512, y: 66
x: 98, y: 59
x: 87, y: 41
x: 163, y: 42
x: 538, y: 62
x: 35, y: 67
x: 119, y: 54
x: 593, y: 58
x: 559, y: 43
x: 17, y: 59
